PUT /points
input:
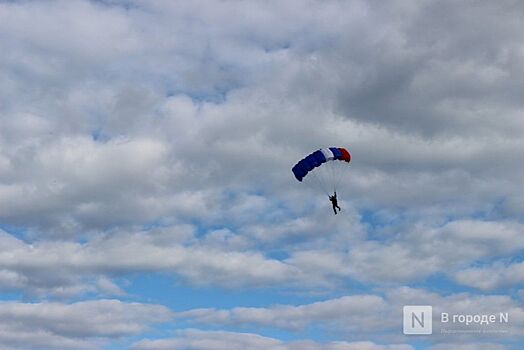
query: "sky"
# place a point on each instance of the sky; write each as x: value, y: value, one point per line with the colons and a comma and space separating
x: 146, y: 193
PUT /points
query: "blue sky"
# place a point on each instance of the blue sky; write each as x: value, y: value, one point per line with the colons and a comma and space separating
x: 146, y: 193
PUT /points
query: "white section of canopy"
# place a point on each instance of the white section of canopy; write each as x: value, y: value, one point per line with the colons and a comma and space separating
x: 327, y: 153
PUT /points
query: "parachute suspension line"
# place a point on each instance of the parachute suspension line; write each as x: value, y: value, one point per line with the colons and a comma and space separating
x: 329, y: 174
x: 334, y: 169
x: 319, y: 181
x: 340, y: 167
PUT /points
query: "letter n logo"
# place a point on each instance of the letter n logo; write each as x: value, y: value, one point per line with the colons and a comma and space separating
x: 418, y: 320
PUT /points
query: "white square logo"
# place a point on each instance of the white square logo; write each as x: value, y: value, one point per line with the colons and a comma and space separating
x: 418, y: 320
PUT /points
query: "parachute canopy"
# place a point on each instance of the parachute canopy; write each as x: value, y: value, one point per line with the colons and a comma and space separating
x: 319, y: 157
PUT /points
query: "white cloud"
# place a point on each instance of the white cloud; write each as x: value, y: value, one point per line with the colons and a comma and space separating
x: 356, y: 317
x: 496, y: 276
x: 478, y: 346
x: 82, y: 325
x: 26, y: 266
x: 419, y: 252
x: 359, y: 312
x: 317, y: 255
x: 202, y: 340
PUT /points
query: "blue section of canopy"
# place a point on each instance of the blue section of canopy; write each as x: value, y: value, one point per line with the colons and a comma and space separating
x: 319, y: 156
x: 336, y: 153
x: 307, y: 164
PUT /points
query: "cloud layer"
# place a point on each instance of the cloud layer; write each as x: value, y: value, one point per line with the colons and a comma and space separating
x: 143, y: 137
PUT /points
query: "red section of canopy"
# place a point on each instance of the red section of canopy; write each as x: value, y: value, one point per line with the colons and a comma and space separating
x: 345, y: 154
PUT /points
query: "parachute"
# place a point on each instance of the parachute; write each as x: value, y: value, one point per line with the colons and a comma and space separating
x: 325, y: 166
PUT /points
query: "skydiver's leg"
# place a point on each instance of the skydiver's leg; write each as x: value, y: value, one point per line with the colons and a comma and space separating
x: 338, y: 207
x: 335, y: 210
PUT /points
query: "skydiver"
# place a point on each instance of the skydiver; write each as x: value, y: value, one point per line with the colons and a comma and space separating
x: 334, y: 202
